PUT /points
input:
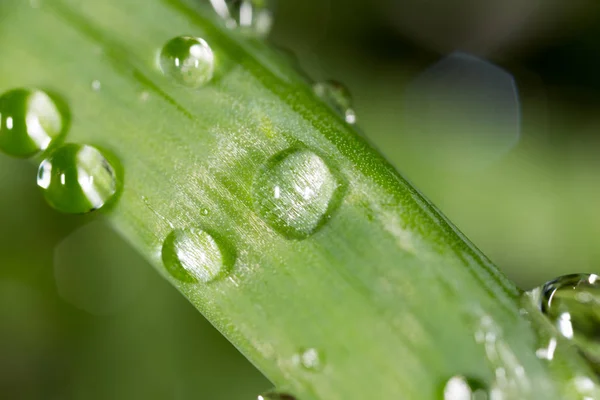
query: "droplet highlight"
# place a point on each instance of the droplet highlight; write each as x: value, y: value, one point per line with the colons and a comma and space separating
x: 30, y: 121
x: 193, y: 255
x: 295, y: 192
x: 77, y: 179
x: 572, y: 303
x: 188, y: 60
x: 337, y: 96
x: 309, y: 359
x: 275, y: 396
x: 462, y: 388
x: 251, y: 17
x: 96, y: 85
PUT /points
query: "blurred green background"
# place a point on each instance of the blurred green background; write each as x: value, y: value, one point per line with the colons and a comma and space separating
x: 83, y: 317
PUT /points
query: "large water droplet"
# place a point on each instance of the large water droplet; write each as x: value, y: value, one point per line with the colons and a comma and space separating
x: 462, y: 388
x: 30, y: 121
x: 77, y: 179
x: 276, y: 396
x: 252, y: 17
x: 188, y: 60
x: 337, y: 96
x: 192, y: 255
x: 572, y: 303
x: 296, y: 192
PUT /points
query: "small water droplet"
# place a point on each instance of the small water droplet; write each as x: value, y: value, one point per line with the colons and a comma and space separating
x: 547, y: 353
x: 192, y: 255
x: 251, y: 17
x: 296, y: 192
x: 96, y: 85
x: 462, y: 388
x: 189, y: 60
x: 338, y: 96
x: 77, y: 179
x: 309, y: 359
x: 276, y: 396
x: 586, y: 387
x: 572, y: 302
x: 30, y: 121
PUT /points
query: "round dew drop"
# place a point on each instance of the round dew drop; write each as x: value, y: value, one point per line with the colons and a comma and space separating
x: 30, y: 121
x: 192, y: 255
x: 188, y: 60
x: 251, y: 17
x: 77, y: 179
x: 295, y: 192
x: 572, y: 303
x: 309, y: 359
x: 337, y: 96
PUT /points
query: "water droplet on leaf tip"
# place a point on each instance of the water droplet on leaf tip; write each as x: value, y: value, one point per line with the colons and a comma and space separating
x: 295, y: 192
x: 188, y: 60
x: 30, y: 122
x: 193, y: 255
x: 77, y: 179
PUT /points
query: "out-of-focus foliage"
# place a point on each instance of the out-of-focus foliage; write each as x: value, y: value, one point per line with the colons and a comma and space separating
x: 533, y: 210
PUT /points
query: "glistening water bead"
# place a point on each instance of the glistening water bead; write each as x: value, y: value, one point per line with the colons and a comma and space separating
x: 309, y: 359
x: 30, y: 121
x: 462, y: 388
x: 188, y: 60
x: 251, y: 17
x: 295, y: 192
x: 572, y: 303
x: 193, y: 255
x: 337, y: 96
x: 77, y: 179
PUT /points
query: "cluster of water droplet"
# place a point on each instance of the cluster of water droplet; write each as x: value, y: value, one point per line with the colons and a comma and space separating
x: 255, y: 18
x: 251, y: 17
x: 74, y: 178
x: 295, y: 192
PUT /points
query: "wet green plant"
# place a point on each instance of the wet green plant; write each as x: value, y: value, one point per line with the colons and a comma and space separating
x: 310, y: 252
